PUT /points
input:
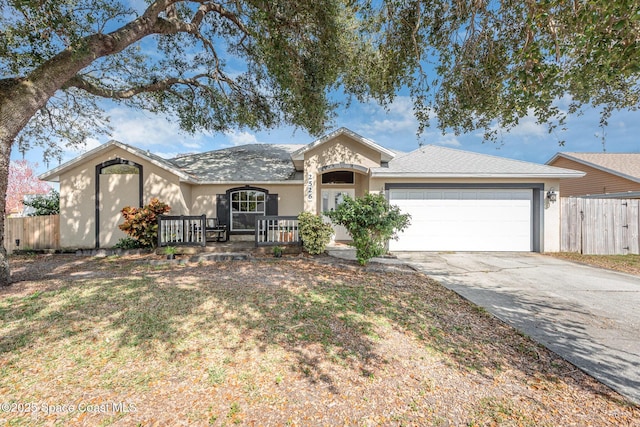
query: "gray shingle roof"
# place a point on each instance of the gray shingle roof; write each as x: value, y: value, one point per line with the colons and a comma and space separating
x: 246, y: 163
x: 437, y: 161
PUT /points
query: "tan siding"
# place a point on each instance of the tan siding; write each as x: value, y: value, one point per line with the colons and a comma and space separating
x: 594, y: 182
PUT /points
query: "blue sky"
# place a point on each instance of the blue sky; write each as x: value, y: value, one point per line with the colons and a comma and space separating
x: 394, y: 129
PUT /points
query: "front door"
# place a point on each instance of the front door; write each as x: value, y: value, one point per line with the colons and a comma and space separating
x: 331, y: 198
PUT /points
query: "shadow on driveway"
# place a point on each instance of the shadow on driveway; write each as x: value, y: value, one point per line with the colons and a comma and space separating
x: 584, y: 314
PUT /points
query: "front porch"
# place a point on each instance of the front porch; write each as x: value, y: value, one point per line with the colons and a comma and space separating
x: 199, y: 234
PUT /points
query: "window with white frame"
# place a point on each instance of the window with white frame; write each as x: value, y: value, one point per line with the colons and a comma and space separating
x: 246, y: 205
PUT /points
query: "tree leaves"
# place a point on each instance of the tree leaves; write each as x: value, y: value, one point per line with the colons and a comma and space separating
x: 500, y: 62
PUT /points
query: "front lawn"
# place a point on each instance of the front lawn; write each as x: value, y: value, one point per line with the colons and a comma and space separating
x: 288, y: 342
x: 624, y: 263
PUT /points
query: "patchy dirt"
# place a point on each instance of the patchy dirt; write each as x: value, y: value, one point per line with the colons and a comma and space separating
x: 294, y: 341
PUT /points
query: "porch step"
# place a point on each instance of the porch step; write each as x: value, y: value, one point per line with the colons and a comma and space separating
x: 221, y: 256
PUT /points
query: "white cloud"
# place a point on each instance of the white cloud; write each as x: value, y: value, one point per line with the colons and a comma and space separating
x: 449, y: 140
x: 90, y: 144
x: 398, y: 117
x: 143, y: 129
x: 241, y: 137
x: 527, y: 127
x: 167, y: 155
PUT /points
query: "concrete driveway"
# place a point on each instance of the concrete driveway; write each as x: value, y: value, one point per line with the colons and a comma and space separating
x: 589, y: 316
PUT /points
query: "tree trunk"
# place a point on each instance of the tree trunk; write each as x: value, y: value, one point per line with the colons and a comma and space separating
x: 5, y: 156
x: 22, y: 97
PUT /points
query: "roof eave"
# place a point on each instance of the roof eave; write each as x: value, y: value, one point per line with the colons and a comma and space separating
x: 247, y: 182
x: 54, y: 174
x: 376, y: 174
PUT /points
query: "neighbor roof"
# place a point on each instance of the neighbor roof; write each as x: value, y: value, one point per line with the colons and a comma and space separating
x: 434, y: 161
x: 246, y: 163
x: 625, y: 165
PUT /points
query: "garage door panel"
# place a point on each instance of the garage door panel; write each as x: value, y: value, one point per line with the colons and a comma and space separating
x: 465, y: 220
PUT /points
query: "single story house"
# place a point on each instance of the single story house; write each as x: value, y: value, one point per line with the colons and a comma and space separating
x: 608, y: 175
x: 458, y: 200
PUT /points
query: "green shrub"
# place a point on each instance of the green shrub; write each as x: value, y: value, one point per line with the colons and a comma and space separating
x: 142, y: 223
x: 129, y: 243
x: 314, y: 232
x: 45, y: 204
x: 277, y: 251
x: 371, y: 221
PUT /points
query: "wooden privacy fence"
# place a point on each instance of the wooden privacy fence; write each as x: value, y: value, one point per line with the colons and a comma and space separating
x: 33, y: 232
x: 599, y: 226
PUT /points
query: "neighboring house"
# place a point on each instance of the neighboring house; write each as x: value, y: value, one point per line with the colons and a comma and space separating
x: 609, y: 175
x: 458, y: 200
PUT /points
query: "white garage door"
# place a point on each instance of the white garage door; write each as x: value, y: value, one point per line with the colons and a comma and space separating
x: 464, y: 220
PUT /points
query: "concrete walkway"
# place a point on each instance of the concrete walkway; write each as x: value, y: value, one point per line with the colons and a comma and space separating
x: 589, y: 316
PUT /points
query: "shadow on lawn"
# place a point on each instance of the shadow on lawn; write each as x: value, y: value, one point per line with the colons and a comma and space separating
x: 318, y: 313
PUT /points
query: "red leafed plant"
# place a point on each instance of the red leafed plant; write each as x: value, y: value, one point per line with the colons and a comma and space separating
x: 142, y: 223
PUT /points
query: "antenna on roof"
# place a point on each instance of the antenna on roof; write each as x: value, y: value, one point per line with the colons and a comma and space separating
x: 603, y: 137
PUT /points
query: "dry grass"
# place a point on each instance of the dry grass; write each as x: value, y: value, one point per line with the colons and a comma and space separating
x: 290, y: 342
x: 625, y: 263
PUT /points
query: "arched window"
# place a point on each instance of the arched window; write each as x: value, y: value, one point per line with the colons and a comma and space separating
x: 338, y: 177
x: 120, y: 168
x: 246, y: 205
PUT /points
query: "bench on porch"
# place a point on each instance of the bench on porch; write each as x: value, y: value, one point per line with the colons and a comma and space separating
x: 215, y: 231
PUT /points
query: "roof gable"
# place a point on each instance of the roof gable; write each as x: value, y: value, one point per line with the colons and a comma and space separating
x: 54, y: 174
x: 385, y: 153
x: 437, y: 161
x: 624, y: 165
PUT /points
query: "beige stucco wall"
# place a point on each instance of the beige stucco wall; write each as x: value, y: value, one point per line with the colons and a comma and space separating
x: 204, y: 197
x: 77, y: 196
x: 77, y: 207
x: 341, y: 149
x: 550, y: 221
x: 117, y: 191
x: 77, y: 188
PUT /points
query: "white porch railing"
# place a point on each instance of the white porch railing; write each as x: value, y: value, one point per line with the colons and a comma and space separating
x: 182, y: 230
x: 277, y: 230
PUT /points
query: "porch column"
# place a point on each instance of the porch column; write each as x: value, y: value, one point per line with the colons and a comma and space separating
x: 310, y: 188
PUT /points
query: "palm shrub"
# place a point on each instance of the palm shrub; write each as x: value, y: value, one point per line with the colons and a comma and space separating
x: 371, y: 221
x: 142, y: 223
x: 314, y: 232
